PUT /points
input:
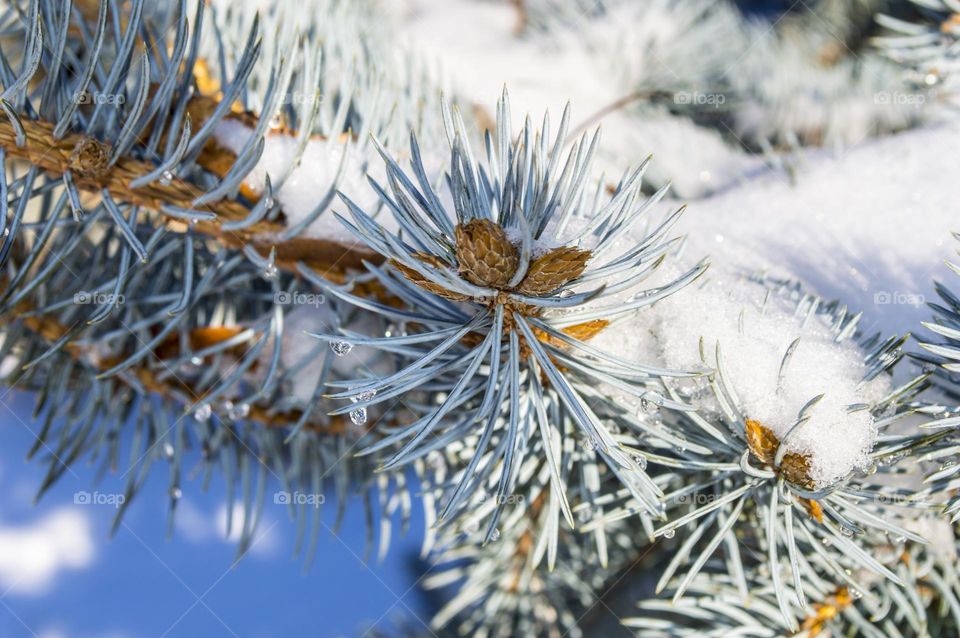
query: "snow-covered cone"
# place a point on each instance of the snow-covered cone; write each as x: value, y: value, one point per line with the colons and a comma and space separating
x: 783, y: 457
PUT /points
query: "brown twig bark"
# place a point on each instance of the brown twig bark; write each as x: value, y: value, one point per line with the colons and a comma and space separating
x: 332, y: 259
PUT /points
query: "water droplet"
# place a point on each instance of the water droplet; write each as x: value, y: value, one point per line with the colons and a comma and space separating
x: 650, y: 403
x: 364, y: 396
x: 196, y: 361
x: 341, y: 348
x: 846, y: 531
x: 271, y: 271
x: 176, y: 493
x: 670, y: 533
x: 203, y: 413
x: 856, y: 593
x: 168, y: 450
x: 641, y: 461
x: 166, y: 178
x: 269, y: 203
x: 276, y: 121
x: 358, y: 416
x: 893, y: 459
x: 238, y: 411
x: 495, y: 535
x: 827, y: 542
x: 584, y: 515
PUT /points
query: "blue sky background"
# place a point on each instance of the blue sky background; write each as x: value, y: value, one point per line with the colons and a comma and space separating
x: 85, y: 584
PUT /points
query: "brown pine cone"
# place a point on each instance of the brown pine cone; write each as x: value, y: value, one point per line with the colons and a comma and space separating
x: 485, y: 255
x: 553, y: 269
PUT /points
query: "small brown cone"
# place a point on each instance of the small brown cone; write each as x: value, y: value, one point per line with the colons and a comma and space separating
x: 814, y: 509
x: 764, y: 444
x: 761, y: 441
x: 795, y: 468
x: 485, y: 255
x: 553, y: 269
x: 826, y: 611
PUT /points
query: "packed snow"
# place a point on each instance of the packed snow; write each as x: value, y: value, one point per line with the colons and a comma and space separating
x: 753, y: 338
x: 870, y: 227
x: 318, y: 171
